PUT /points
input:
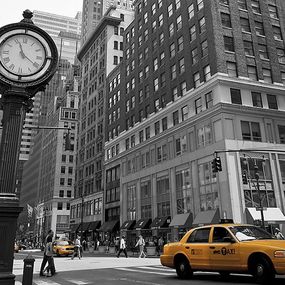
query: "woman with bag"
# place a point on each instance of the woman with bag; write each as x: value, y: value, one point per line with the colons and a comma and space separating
x: 141, y: 244
x: 50, y: 269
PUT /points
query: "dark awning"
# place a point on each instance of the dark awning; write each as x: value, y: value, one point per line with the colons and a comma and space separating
x: 207, y: 217
x: 110, y: 226
x: 94, y: 225
x: 74, y: 227
x: 182, y: 220
x: 161, y: 222
x: 142, y: 224
x: 128, y: 225
x: 83, y: 227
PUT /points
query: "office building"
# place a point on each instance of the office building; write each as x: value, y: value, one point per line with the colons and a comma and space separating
x: 199, y: 79
x: 98, y: 56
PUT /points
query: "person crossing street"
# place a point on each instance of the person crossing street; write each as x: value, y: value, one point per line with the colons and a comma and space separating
x: 122, y: 247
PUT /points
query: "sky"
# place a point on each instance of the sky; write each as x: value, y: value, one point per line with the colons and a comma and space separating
x: 12, y: 10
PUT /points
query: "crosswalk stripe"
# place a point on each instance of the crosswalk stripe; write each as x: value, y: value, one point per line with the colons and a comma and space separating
x: 157, y: 268
x: 143, y: 271
x: 78, y: 282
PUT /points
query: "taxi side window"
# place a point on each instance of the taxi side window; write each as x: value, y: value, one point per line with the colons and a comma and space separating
x: 199, y: 235
x: 219, y: 234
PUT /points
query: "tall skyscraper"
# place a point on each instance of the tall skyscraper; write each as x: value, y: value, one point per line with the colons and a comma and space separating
x: 99, y: 55
x: 199, y: 79
x: 93, y: 11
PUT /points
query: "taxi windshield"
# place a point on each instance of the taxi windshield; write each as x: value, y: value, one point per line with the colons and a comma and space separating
x: 64, y: 242
x: 246, y: 233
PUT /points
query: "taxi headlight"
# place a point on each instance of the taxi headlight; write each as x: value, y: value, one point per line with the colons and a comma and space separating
x: 279, y: 253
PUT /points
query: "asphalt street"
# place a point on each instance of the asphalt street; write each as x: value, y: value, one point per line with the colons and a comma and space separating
x: 104, y: 269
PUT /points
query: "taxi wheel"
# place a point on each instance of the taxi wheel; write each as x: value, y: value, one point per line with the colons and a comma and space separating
x: 183, y: 269
x: 262, y: 271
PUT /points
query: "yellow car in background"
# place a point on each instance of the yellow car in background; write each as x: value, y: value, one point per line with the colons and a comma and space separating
x: 227, y: 248
x: 63, y: 247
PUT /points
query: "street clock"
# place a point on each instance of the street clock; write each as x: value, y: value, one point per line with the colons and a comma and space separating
x: 28, y: 55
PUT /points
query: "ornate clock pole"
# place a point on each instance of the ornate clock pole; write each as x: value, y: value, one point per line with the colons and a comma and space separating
x: 28, y: 60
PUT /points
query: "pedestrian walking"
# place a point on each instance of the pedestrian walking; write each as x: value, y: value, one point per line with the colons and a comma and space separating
x: 45, y: 258
x: 117, y: 244
x: 50, y: 269
x: 141, y: 244
x: 122, y: 247
x: 160, y: 245
x: 77, y: 248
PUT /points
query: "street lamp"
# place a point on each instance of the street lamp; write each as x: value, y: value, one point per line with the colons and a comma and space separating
x: 256, y: 176
x: 28, y: 62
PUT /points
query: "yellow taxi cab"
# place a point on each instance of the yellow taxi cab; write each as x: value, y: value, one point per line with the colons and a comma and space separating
x: 227, y: 248
x: 63, y: 247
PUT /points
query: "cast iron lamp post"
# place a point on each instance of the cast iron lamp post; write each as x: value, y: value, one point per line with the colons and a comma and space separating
x: 28, y: 60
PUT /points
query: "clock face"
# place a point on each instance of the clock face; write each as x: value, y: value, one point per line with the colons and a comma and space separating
x: 22, y: 55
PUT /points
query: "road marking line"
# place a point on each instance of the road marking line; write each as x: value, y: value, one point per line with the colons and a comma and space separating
x: 77, y: 282
x: 156, y: 268
x: 143, y: 271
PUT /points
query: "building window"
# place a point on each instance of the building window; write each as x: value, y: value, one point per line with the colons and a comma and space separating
x: 180, y: 44
x: 267, y: 77
x: 156, y: 128
x: 207, y: 72
x: 204, y: 47
x: 191, y: 11
x: 194, y: 54
x: 61, y: 193
x: 171, y: 30
x: 179, y: 23
x: 181, y: 65
x: 252, y: 72
x: 248, y: 48
x: 263, y: 54
x: 232, y: 69
x: 256, y: 99
x: 281, y: 55
x: 226, y: 20
x: 202, y: 25
x: 147, y: 133
x: 255, y: 5
x: 155, y: 84
x: 197, y: 82
x: 250, y: 131
x: 184, y: 113
x: 200, y: 4
x: 183, y: 88
x: 281, y: 131
x: 277, y: 33
x: 164, y: 124
x: 173, y: 71
x: 273, y: 11
x: 242, y: 4
x: 209, y: 99
x: 259, y: 29
x: 175, y: 117
x: 272, y: 102
x: 193, y: 33
x: 204, y: 136
x: 172, y: 50
x: 198, y: 105
x: 229, y: 44
x: 235, y: 96
x: 59, y: 205
x: 245, y: 26
x: 175, y: 94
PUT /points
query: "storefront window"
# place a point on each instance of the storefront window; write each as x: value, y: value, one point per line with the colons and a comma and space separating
x: 251, y: 194
x: 131, y: 202
x: 146, y: 199
x: 209, y: 199
x: 183, y: 191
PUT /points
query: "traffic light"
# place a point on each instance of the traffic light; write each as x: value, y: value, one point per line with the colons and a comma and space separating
x: 244, y: 177
x: 217, y: 164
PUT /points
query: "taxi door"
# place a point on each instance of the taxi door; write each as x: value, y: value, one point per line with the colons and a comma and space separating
x: 197, y: 248
x: 224, y: 253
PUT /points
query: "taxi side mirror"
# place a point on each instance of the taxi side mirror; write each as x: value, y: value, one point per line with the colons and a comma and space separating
x: 228, y: 239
